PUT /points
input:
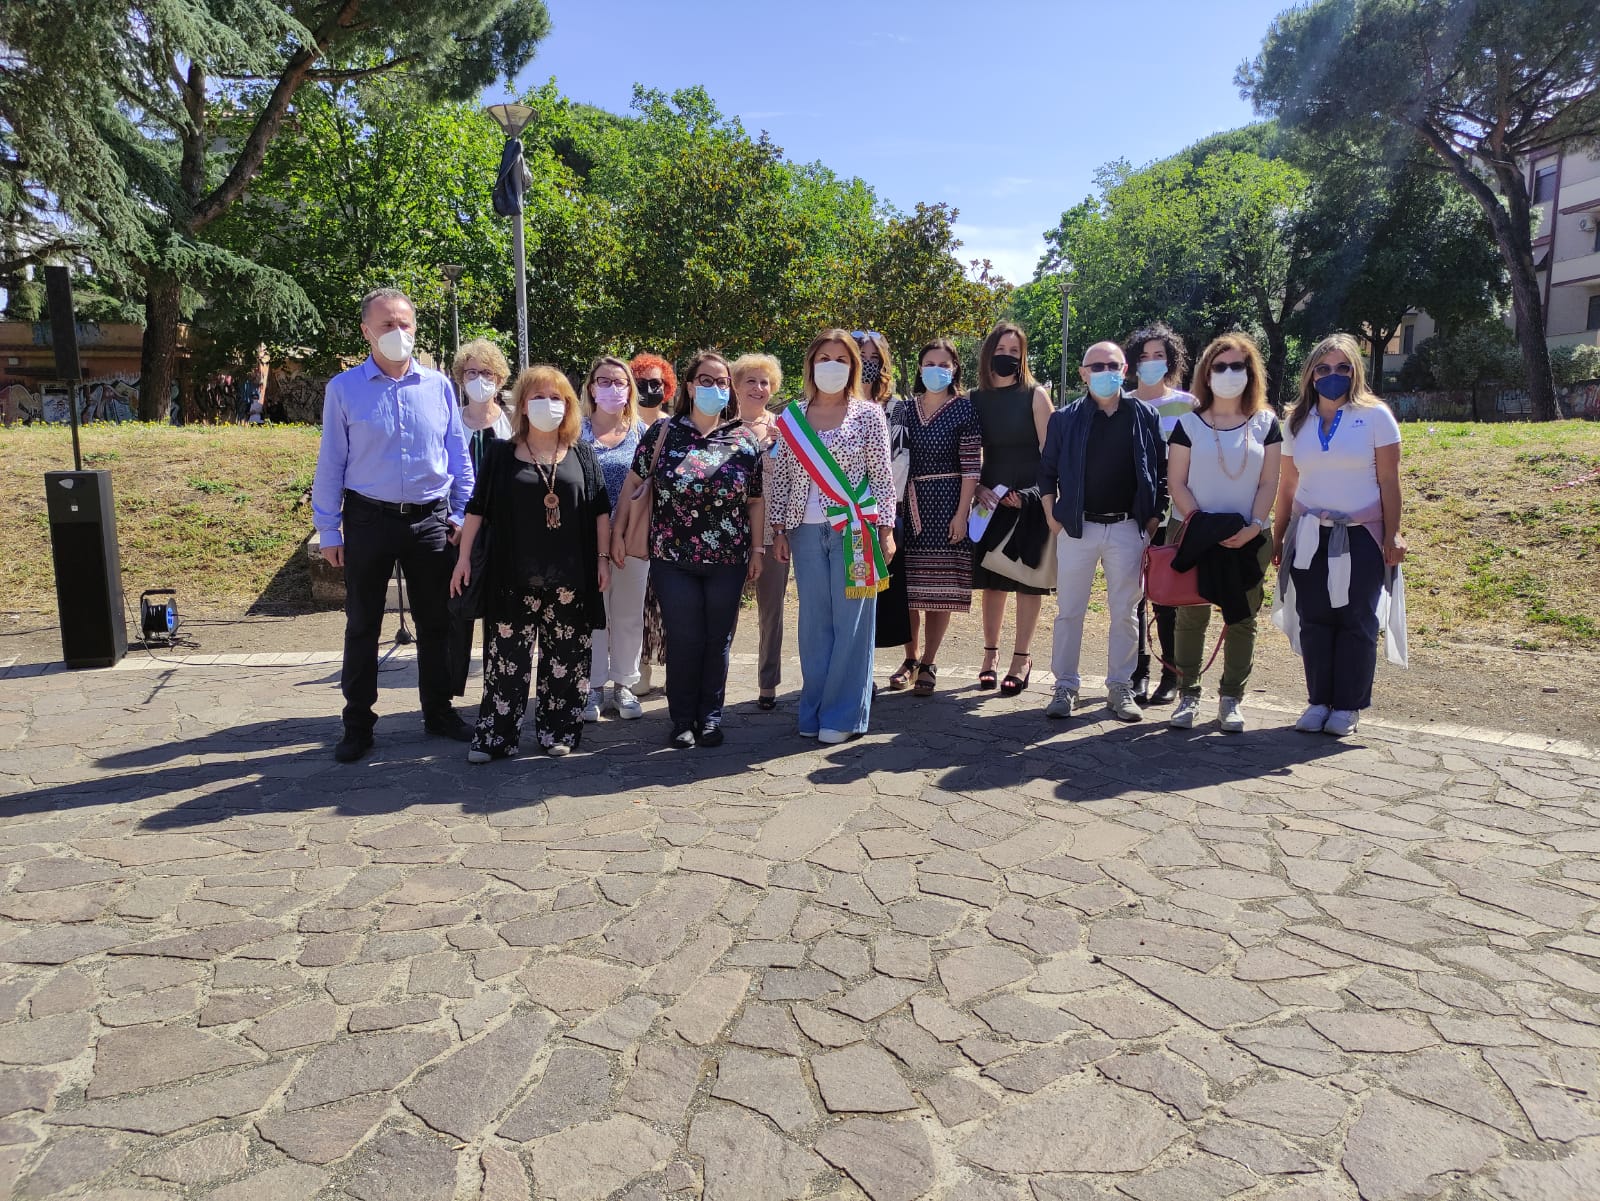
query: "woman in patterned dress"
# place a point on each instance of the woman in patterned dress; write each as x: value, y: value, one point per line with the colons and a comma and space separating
x: 658, y: 389
x: 946, y: 457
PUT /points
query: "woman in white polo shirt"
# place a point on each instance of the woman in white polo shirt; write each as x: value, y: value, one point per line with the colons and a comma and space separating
x: 1223, y: 457
x: 1337, y: 533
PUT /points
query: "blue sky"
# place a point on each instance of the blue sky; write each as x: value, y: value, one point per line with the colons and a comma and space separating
x: 907, y: 94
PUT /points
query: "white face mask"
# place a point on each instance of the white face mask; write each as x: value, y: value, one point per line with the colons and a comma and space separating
x: 395, y: 345
x: 829, y: 376
x: 545, y: 412
x: 1228, y: 384
x: 480, y: 388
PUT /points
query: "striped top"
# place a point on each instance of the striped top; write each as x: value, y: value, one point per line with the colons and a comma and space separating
x: 1168, y: 409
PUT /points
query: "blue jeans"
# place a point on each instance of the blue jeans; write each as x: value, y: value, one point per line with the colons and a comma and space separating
x: 836, y: 635
x: 699, y: 606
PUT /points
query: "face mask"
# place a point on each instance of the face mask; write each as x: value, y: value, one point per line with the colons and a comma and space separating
x: 1228, y: 384
x: 1152, y: 371
x: 545, y: 412
x: 830, y: 377
x: 937, y: 379
x: 396, y: 344
x: 651, y: 393
x: 613, y: 398
x: 870, y: 373
x: 480, y: 389
x: 1004, y: 365
x: 710, y: 401
x: 1105, y: 384
x: 1332, y: 386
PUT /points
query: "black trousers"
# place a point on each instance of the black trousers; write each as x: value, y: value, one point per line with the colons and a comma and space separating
x: 374, y: 541
x: 1339, y: 646
x: 699, y: 608
x: 1166, y: 625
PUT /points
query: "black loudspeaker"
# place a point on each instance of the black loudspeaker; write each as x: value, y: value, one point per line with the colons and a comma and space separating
x: 63, y: 323
x: 83, y: 541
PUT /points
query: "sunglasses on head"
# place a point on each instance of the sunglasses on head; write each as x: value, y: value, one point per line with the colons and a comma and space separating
x: 861, y: 335
x: 1096, y: 367
x: 1239, y: 366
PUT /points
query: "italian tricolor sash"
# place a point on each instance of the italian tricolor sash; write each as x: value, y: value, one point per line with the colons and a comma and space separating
x: 852, y: 511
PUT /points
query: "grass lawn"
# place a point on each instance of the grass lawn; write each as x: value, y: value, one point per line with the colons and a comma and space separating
x: 1502, y: 554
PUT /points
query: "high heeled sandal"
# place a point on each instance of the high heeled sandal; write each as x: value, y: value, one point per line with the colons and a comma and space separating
x: 987, y: 676
x: 1014, y: 683
x: 927, y: 679
x: 901, y: 680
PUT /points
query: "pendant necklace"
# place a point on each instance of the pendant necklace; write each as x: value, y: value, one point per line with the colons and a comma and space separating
x: 552, y: 502
x: 1221, y: 462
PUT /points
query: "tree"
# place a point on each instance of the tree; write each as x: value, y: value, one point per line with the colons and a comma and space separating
x: 1481, y: 83
x: 116, y: 113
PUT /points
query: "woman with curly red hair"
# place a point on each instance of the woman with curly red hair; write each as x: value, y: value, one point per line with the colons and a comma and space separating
x: 658, y: 388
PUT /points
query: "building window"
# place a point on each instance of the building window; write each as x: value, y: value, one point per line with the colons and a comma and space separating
x: 1408, y: 339
x: 1544, y: 184
x: 1594, y: 312
x: 1596, y: 220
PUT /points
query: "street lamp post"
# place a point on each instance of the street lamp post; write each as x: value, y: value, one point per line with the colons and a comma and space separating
x: 452, y: 274
x: 1066, y: 297
x: 513, y: 180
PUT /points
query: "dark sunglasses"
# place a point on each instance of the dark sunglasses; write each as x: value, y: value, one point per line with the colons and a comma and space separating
x: 652, y: 387
x: 1230, y: 366
x: 1322, y: 369
x: 1097, y: 367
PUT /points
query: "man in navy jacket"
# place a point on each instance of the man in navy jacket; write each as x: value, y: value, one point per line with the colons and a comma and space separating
x: 1103, y: 479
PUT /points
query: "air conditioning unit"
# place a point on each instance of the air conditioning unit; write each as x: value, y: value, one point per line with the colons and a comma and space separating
x: 1586, y: 223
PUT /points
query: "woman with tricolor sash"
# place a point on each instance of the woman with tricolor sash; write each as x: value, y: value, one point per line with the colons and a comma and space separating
x: 831, y: 505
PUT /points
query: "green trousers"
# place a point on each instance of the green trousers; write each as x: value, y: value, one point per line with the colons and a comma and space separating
x: 1238, y: 644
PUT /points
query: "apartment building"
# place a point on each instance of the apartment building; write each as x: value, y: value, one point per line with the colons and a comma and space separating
x: 1565, y: 186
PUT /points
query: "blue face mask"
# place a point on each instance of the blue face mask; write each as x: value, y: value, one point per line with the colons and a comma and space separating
x: 1152, y: 371
x: 710, y: 401
x: 937, y: 379
x: 1332, y: 386
x: 1105, y: 384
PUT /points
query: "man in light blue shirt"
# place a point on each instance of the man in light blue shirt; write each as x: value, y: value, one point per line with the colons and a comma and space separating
x: 392, y: 484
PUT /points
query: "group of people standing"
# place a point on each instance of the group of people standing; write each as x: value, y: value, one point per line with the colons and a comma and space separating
x: 616, y: 526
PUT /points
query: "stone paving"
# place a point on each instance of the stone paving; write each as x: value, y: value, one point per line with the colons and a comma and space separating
x: 976, y: 955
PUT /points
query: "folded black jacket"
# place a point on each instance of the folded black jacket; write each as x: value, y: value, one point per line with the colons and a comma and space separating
x: 1224, y: 575
x: 1033, y: 531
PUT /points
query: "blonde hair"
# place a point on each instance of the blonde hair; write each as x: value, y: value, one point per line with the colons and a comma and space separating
x: 1254, y: 397
x: 540, y: 378
x: 750, y: 364
x: 852, y: 387
x: 1359, y: 393
x: 486, y: 354
x: 630, y: 414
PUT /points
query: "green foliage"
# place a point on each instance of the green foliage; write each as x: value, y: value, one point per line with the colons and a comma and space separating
x: 1477, y: 352
x: 1575, y: 364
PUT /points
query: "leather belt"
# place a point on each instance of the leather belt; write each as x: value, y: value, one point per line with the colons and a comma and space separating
x: 398, y: 508
x: 1108, y: 518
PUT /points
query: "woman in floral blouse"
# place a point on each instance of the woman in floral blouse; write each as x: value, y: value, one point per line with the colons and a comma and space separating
x: 831, y: 502
x: 705, y: 525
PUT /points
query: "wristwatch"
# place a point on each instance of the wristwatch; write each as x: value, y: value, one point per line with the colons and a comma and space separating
x: 1262, y: 522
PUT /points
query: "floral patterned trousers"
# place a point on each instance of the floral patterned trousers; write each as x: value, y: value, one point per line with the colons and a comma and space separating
x: 554, y: 618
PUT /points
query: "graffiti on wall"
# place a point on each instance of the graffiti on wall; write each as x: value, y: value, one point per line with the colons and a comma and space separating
x: 1492, y: 402
x: 113, y: 397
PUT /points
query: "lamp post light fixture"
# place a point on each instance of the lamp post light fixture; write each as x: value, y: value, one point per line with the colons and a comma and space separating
x: 509, y: 187
x: 452, y: 274
x: 1066, y: 297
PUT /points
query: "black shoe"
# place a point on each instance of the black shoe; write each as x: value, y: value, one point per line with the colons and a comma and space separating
x: 766, y: 703
x: 354, y: 745
x: 682, y: 738
x: 1166, y: 691
x: 448, y: 724
x: 1141, y: 689
x: 710, y: 734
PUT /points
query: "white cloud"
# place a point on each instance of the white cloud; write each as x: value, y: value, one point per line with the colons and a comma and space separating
x: 1014, y: 250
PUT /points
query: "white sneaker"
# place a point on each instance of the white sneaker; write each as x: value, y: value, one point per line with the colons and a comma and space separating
x: 1313, y: 719
x: 625, y: 703
x: 557, y: 751
x: 1342, y: 722
x: 1184, y: 715
x: 1121, y: 703
x: 1062, y: 703
x: 832, y: 737
x: 478, y: 756
x: 1230, y: 714
x: 591, y: 711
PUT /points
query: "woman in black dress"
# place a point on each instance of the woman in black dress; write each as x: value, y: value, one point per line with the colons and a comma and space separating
x: 1012, y: 412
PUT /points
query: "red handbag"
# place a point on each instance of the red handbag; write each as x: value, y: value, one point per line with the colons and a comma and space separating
x: 1163, y: 584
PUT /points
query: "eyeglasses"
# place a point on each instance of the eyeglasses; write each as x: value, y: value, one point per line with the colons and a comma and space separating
x: 602, y: 381
x: 478, y: 373
x: 1097, y: 367
x: 708, y: 381
x: 1235, y: 366
x: 1322, y: 369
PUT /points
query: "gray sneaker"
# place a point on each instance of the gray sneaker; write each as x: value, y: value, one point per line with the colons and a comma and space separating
x: 1121, y: 703
x: 1230, y: 714
x: 1062, y: 702
x: 1342, y: 723
x: 626, y: 704
x: 591, y: 710
x: 1183, y: 717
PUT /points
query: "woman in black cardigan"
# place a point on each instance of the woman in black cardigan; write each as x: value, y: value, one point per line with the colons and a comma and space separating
x: 544, y: 497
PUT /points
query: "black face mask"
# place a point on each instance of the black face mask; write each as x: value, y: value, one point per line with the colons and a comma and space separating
x: 651, y: 393
x: 870, y: 373
x: 1004, y: 365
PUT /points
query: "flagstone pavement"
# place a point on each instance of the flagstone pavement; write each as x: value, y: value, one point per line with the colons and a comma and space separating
x: 974, y: 955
